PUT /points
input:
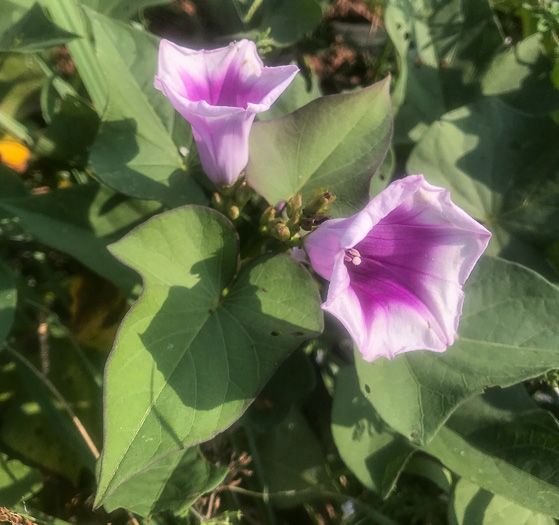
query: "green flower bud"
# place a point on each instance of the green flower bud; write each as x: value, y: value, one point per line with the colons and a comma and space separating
x: 234, y: 212
x: 294, y: 204
x: 319, y: 203
x: 268, y: 215
x: 281, y: 232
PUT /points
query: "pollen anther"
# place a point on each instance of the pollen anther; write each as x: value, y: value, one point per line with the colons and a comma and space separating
x: 353, y: 256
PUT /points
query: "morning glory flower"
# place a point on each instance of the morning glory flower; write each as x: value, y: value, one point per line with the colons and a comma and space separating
x: 220, y: 92
x: 397, y: 267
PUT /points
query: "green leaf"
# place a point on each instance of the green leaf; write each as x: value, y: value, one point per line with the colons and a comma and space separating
x: 374, y: 452
x: 297, y: 95
x: 508, y: 333
x: 196, y: 348
x: 383, y: 176
x: 70, y: 16
x: 122, y: 9
x: 173, y: 483
x: 134, y: 152
x: 283, y: 471
x: 522, y: 76
x: 472, y: 505
x: 429, y: 468
x: 444, y: 48
x: 11, y: 11
x: 16, y: 129
x: 17, y: 481
x: 37, y: 425
x: 11, y: 184
x: 8, y: 301
x: 81, y: 221
x: 20, y: 80
x: 26, y: 431
x: 289, y: 20
x: 139, y: 50
x: 483, y: 153
x: 502, y: 442
x: 33, y: 32
x: 60, y: 140
x: 62, y: 434
x: 336, y: 142
x: 275, y: 400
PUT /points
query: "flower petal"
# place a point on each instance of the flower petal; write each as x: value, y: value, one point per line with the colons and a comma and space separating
x: 222, y: 145
x: 219, y: 92
x: 404, y: 290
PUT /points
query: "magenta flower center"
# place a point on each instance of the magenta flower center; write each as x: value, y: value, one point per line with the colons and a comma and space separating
x: 390, y: 264
x: 225, y: 91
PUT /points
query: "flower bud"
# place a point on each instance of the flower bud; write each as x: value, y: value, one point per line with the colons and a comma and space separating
x: 243, y: 194
x: 319, y: 203
x: 234, y: 212
x: 268, y: 215
x: 281, y: 232
x: 294, y: 204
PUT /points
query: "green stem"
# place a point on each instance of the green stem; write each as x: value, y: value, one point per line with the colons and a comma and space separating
x: 378, y: 517
x: 252, y: 10
x: 259, y: 471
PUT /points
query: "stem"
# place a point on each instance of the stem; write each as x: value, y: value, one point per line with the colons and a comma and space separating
x: 197, y: 515
x: 252, y: 10
x: 379, y: 518
x: 54, y: 391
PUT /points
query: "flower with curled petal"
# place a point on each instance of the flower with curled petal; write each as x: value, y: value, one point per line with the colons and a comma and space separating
x: 220, y: 92
x: 397, y: 267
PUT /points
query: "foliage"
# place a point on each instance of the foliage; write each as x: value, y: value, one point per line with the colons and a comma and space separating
x: 164, y: 356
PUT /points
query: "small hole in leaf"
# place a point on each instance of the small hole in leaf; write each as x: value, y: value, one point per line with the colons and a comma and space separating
x: 264, y: 289
x: 367, y: 389
x: 276, y: 332
x: 381, y: 176
x: 298, y: 334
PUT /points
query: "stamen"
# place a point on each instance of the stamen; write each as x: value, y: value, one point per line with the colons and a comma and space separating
x: 353, y: 256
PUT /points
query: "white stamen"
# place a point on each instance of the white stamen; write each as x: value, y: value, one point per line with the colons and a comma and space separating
x: 353, y: 256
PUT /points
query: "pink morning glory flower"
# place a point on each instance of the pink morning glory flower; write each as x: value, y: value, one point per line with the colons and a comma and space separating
x: 220, y: 92
x: 396, y: 268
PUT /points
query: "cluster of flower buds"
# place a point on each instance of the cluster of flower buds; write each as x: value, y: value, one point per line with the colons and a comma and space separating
x: 232, y: 199
x: 286, y: 221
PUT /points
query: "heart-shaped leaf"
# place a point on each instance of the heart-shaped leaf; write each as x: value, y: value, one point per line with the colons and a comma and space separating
x: 199, y: 344
x: 337, y: 142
